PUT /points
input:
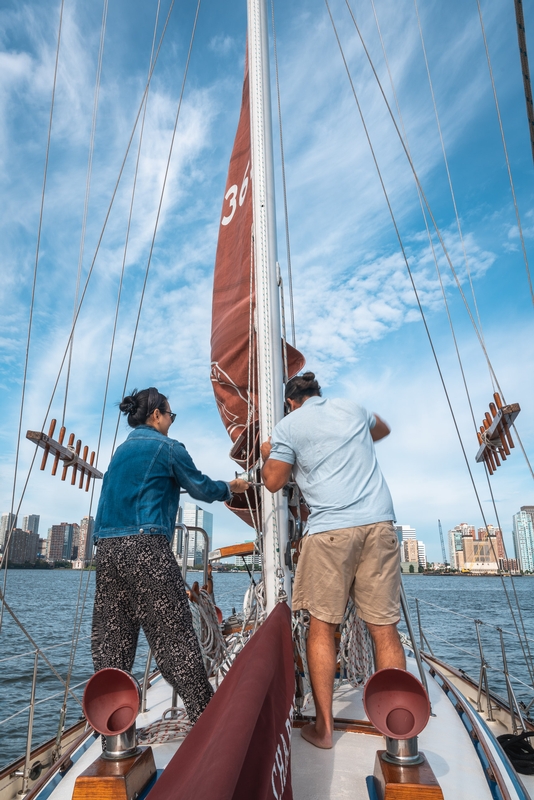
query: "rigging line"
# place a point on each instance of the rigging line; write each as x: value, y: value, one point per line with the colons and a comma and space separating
x: 449, y: 178
x: 36, y: 264
x: 423, y: 195
x: 511, y: 577
x: 284, y: 190
x: 34, y: 643
x: 523, y: 54
x: 106, y: 219
x: 512, y: 188
x: 430, y: 240
x: 108, y: 212
x: 423, y: 317
x: 156, y: 224
x: 434, y: 223
x: 78, y: 619
x: 87, y: 189
x: 126, y: 245
x: 4, y: 557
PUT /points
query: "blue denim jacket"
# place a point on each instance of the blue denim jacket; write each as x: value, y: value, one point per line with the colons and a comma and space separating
x: 141, y: 488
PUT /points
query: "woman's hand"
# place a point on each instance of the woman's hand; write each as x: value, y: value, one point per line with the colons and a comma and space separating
x: 238, y: 486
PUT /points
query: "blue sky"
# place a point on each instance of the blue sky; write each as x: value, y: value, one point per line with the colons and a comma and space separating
x: 356, y: 317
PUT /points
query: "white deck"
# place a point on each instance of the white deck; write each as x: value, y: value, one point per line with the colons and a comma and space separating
x: 341, y: 772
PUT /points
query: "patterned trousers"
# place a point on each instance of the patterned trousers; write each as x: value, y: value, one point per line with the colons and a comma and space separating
x: 139, y: 585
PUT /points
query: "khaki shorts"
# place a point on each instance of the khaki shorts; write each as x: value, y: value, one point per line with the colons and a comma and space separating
x: 362, y: 562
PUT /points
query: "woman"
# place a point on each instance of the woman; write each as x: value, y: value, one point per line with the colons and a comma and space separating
x: 138, y: 582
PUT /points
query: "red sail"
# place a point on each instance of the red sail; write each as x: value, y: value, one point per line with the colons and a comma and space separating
x: 240, y: 747
x: 233, y: 348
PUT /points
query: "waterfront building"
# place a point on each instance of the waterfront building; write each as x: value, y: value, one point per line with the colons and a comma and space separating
x: 31, y: 523
x: 455, y: 546
x: 23, y: 547
x: 7, y: 521
x: 421, y: 554
x: 495, y: 535
x: 193, y: 516
x: 85, y: 541
x: 523, y: 535
x: 477, y: 556
x: 529, y: 510
x: 56, y: 542
x: 41, y: 550
x: 405, y: 532
x: 410, y: 552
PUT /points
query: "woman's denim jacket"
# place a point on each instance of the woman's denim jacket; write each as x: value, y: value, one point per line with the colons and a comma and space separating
x: 141, y: 488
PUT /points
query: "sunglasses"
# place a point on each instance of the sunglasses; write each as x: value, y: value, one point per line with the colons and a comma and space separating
x: 172, y: 414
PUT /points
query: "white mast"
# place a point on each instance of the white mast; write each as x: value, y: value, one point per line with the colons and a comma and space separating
x: 274, y: 508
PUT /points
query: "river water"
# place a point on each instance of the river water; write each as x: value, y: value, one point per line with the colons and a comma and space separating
x: 45, y: 603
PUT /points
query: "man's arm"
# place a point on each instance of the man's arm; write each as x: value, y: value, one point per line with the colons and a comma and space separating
x: 275, y: 473
x: 380, y: 430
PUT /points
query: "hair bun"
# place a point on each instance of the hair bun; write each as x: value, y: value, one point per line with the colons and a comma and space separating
x: 308, y: 377
x: 129, y: 405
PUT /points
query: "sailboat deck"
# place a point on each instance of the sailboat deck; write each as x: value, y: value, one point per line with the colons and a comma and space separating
x: 345, y: 770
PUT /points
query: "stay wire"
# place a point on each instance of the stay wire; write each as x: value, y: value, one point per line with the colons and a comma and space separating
x: 449, y: 178
x: 284, y: 189
x: 78, y: 618
x: 429, y: 235
x: 87, y: 190
x: 160, y: 204
x: 423, y: 317
x: 435, y: 225
x: 505, y: 148
x: 89, y: 275
x: 12, y: 523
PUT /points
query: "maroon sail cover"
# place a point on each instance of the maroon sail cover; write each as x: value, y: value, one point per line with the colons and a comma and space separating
x: 240, y: 747
x: 233, y: 346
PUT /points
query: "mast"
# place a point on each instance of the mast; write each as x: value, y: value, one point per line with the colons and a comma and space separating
x: 268, y: 328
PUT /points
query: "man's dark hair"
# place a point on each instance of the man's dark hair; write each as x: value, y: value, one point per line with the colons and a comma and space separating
x: 302, y: 386
x: 138, y: 406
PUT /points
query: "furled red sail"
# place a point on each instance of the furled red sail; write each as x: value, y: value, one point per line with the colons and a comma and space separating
x: 240, y: 747
x: 233, y: 347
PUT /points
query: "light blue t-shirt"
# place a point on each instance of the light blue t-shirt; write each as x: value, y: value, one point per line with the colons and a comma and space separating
x: 329, y: 442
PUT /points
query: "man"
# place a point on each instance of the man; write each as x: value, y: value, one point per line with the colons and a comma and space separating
x: 351, y: 546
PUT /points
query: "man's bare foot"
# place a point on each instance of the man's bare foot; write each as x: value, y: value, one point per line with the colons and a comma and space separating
x: 309, y: 733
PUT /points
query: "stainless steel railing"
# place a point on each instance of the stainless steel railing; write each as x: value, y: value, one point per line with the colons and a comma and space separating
x: 519, y: 710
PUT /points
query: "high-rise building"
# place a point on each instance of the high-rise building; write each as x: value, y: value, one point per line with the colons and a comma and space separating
x: 31, y: 523
x: 523, y: 535
x: 455, y: 546
x: 59, y: 542
x: 405, y: 532
x: 421, y: 554
x: 409, y: 552
x: 23, y: 547
x: 7, y: 521
x: 85, y: 543
x: 193, y: 516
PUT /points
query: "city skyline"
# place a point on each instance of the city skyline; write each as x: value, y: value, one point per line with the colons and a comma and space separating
x: 356, y: 316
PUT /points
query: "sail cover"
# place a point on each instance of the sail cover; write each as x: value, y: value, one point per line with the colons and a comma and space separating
x: 233, y: 347
x: 240, y: 747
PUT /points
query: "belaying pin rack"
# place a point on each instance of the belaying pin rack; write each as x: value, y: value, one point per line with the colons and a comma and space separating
x: 494, y: 436
x: 69, y: 455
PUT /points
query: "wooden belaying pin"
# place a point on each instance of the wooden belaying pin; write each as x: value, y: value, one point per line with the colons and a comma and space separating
x: 503, y: 441
x: 82, y: 475
x: 65, y: 468
x: 498, y: 400
x: 74, y: 467
x: 488, y: 463
x: 47, y: 448
x: 62, y: 433
x: 493, y: 410
x: 487, y: 416
x: 91, y: 462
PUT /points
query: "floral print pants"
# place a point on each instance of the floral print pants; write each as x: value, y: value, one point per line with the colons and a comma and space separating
x: 139, y: 585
